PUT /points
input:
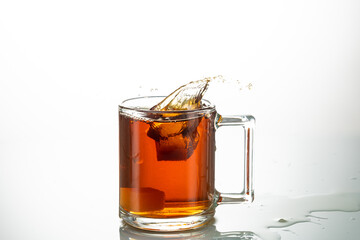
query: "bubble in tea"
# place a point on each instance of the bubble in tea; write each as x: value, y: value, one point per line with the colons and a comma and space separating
x: 177, y: 140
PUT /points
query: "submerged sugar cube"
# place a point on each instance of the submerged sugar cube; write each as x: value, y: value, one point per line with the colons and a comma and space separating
x: 177, y: 140
x: 142, y: 199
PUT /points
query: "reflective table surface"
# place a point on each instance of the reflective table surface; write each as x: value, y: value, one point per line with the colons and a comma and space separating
x: 74, y: 196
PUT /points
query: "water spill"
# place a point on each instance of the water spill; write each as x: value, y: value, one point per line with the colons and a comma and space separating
x: 287, y: 230
x: 269, y: 212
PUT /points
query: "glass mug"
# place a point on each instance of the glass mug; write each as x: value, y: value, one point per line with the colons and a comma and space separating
x: 167, y: 165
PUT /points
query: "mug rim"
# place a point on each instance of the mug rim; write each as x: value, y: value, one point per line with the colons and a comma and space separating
x: 207, y: 107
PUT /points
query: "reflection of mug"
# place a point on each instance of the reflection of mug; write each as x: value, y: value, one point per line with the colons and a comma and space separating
x: 167, y: 163
x: 207, y: 233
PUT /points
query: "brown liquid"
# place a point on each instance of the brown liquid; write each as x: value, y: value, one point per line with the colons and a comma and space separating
x: 166, y: 168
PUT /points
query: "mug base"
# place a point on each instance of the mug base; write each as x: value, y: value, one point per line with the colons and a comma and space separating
x: 167, y: 224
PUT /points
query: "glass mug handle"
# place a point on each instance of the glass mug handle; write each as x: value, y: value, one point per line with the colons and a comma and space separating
x: 247, y: 122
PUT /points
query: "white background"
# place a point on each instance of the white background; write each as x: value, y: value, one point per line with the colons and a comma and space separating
x: 66, y: 65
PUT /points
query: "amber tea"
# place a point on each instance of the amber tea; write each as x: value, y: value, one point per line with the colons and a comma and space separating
x: 167, y: 166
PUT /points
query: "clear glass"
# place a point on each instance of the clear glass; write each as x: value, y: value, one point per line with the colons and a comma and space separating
x: 167, y: 159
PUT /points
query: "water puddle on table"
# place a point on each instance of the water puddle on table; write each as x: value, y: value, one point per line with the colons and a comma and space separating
x: 269, y: 212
